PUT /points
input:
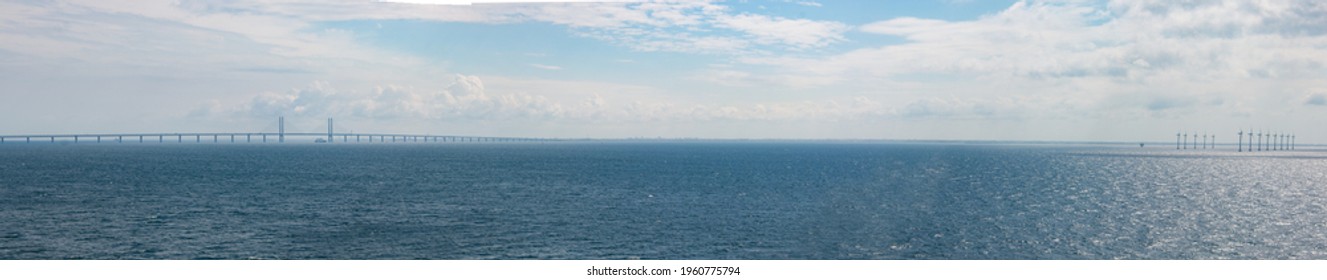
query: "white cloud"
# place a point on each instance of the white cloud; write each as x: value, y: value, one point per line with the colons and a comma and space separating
x: 804, y: 3
x: 468, y: 98
x: 796, y: 33
x: 1079, y: 61
x: 1083, y: 55
x: 282, y: 34
x: 545, y: 67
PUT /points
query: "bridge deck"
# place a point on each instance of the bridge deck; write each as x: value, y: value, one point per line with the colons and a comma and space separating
x: 257, y: 137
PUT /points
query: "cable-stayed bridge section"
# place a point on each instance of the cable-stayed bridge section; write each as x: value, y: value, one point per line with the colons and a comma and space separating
x: 281, y: 136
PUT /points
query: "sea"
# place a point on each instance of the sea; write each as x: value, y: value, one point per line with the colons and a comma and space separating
x: 749, y: 200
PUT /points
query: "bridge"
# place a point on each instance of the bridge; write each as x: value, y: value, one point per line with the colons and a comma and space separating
x: 259, y: 137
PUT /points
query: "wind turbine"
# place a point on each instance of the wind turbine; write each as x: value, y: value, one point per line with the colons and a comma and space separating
x: 1239, y: 146
x: 1204, y: 140
x: 1213, y: 144
x: 1262, y: 140
x: 1276, y: 142
x: 1271, y: 141
x: 1259, y: 140
x: 1186, y: 140
x: 1177, y: 140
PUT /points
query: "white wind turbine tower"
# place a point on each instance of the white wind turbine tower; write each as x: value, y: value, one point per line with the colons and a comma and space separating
x: 1271, y: 141
x: 1239, y: 146
x: 1204, y: 141
x: 1267, y: 142
x: 1195, y: 140
x: 1177, y: 140
x: 1259, y: 140
x: 1275, y: 142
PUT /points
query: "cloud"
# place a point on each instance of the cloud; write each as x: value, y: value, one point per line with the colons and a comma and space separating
x: 267, y: 34
x: 1252, y: 56
x: 545, y: 67
x: 796, y: 33
x: 805, y: 3
x: 467, y: 98
x: 1205, y: 39
x: 1165, y: 103
x: 701, y: 26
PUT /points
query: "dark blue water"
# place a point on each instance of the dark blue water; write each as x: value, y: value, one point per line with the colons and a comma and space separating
x: 658, y: 201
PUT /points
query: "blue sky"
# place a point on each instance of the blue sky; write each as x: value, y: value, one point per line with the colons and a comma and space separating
x: 1122, y: 70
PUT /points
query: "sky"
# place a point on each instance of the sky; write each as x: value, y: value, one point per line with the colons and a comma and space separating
x: 1120, y: 70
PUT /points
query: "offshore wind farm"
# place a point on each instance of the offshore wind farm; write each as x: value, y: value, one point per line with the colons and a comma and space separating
x: 1274, y: 141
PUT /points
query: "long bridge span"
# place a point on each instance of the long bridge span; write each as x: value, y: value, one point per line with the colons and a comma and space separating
x: 281, y: 136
